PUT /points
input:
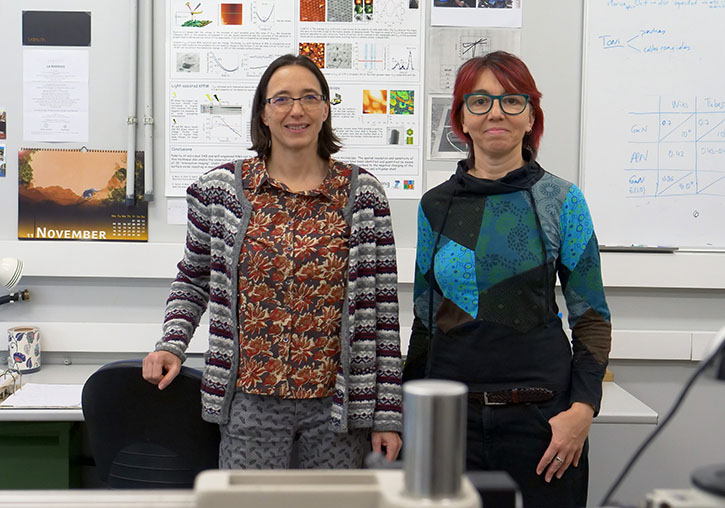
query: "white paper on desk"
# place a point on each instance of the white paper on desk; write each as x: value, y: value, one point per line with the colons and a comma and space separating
x: 35, y: 395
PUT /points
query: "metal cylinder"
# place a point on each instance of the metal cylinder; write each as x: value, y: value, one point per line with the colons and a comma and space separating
x: 434, y: 437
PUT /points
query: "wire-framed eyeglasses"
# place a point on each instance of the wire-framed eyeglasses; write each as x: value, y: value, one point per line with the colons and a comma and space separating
x: 479, y: 103
x: 284, y: 102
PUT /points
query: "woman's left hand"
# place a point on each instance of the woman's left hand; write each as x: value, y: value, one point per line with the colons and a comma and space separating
x: 569, y: 431
x: 390, y: 440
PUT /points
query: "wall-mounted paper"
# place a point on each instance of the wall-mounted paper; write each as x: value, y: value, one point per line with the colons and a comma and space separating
x: 478, y: 13
x: 56, y: 28
x: 78, y: 195
x: 55, y: 95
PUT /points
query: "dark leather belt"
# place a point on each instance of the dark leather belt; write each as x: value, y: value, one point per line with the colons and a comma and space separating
x: 512, y: 396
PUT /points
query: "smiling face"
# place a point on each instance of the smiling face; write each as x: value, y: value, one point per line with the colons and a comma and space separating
x: 297, y: 128
x: 496, y: 135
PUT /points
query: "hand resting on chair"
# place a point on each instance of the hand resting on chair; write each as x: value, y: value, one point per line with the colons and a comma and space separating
x: 160, y: 368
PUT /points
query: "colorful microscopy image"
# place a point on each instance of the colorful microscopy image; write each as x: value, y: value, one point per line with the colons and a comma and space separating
x: 363, y: 10
x: 231, y: 14
x: 339, y: 11
x: 409, y: 139
x: 401, y: 102
x: 193, y: 21
x: 315, y: 51
x: 375, y: 102
x: 312, y: 10
x: 338, y: 55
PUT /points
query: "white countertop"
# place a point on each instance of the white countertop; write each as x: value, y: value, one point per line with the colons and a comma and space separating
x: 618, y: 405
x: 51, y: 374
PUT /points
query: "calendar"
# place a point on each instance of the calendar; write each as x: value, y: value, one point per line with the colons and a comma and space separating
x: 79, y: 195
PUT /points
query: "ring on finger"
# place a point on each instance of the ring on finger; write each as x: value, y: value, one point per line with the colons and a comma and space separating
x: 559, y: 459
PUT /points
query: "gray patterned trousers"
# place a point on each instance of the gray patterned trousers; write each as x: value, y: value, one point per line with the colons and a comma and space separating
x: 263, y: 431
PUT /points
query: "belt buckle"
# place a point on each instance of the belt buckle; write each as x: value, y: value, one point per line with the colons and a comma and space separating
x: 490, y: 402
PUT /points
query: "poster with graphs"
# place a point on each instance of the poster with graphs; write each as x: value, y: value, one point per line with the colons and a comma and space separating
x: 369, y: 50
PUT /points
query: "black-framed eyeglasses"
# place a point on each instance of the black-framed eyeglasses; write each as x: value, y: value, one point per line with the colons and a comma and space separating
x: 308, y: 101
x: 479, y: 103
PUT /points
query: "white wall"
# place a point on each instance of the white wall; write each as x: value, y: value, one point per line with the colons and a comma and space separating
x: 693, y: 438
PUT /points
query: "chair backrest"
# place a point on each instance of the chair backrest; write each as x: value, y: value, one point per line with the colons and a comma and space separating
x: 143, y: 437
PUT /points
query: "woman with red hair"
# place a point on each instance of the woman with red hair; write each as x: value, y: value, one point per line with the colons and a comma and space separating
x: 491, y: 242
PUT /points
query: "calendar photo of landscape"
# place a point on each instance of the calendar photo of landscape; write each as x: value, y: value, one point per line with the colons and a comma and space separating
x: 79, y: 195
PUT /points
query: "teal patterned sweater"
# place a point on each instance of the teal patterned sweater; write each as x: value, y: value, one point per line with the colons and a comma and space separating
x: 489, y: 317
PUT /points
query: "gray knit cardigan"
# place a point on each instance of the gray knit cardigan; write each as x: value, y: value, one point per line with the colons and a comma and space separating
x: 367, y: 391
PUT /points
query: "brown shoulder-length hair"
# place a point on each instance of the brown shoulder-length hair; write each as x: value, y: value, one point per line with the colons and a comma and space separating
x: 327, y: 142
x: 514, y: 76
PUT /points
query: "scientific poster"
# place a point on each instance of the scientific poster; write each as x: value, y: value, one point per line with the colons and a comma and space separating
x: 369, y: 50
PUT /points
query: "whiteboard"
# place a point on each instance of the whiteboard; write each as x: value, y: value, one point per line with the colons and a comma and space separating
x: 653, y: 121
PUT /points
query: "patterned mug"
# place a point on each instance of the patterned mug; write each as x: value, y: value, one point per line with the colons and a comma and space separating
x: 24, y: 349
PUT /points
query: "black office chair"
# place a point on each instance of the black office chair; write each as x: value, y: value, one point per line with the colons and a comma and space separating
x: 143, y: 437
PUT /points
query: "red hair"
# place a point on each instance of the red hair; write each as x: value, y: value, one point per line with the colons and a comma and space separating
x: 514, y: 76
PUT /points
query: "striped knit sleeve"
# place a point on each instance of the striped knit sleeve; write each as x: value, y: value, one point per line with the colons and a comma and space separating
x: 190, y: 290
x: 388, y: 414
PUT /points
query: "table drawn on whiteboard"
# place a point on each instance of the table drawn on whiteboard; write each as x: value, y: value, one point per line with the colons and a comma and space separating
x: 677, y: 148
x: 653, y: 142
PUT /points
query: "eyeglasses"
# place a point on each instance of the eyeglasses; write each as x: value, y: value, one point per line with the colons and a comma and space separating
x: 510, y: 103
x: 284, y: 102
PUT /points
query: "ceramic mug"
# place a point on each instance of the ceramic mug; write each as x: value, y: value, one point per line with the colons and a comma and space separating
x: 24, y: 348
